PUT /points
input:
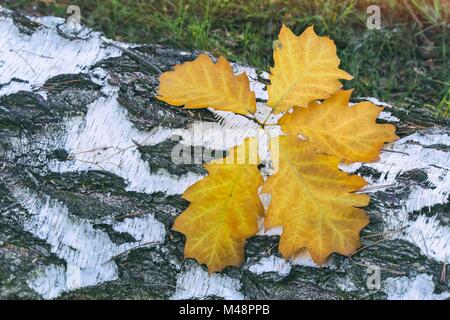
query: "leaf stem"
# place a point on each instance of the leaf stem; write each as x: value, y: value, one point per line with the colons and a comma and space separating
x: 264, y: 122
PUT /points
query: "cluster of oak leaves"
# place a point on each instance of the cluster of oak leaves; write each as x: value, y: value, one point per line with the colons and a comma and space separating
x: 313, y: 201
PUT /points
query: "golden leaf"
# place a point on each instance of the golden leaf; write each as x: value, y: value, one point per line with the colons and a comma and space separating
x: 202, y: 83
x: 306, y: 68
x: 347, y: 132
x: 224, y: 209
x: 312, y: 199
x: 314, y: 202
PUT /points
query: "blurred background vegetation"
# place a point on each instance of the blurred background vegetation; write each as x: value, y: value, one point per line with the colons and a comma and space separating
x: 405, y: 62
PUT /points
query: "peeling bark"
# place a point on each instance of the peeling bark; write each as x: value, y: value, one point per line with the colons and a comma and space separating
x: 88, y: 190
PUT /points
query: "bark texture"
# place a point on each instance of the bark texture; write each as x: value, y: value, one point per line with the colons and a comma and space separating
x: 88, y: 190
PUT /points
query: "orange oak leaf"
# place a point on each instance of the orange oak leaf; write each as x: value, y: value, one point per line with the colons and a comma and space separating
x: 202, y: 83
x: 306, y: 68
x: 224, y: 209
x: 336, y: 128
x: 314, y: 202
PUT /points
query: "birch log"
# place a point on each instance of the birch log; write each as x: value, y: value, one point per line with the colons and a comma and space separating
x: 89, y: 192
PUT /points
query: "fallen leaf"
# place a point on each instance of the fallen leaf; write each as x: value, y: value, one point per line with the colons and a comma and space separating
x: 224, y: 209
x: 314, y: 202
x: 202, y: 83
x: 306, y: 68
x: 336, y: 128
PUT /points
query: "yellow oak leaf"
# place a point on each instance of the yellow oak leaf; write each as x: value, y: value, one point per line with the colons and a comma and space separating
x: 224, y: 209
x: 336, y: 128
x: 306, y: 68
x: 202, y: 83
x: 311, y: 198
x: 314, y: 202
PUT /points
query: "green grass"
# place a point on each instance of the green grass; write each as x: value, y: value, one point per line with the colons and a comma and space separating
x: 406, y: 62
